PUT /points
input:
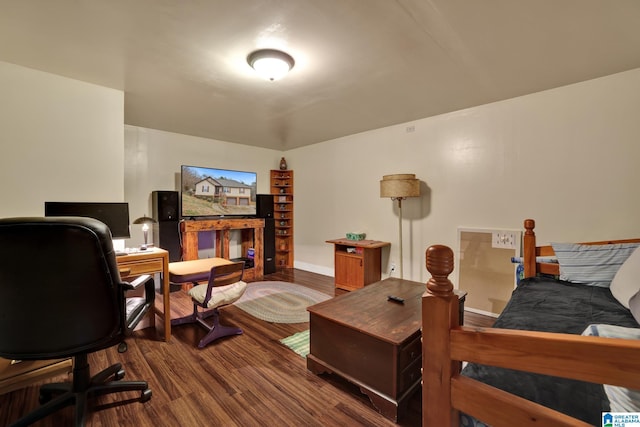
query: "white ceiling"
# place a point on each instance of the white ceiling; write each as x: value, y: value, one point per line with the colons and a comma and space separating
x: 360, y: 64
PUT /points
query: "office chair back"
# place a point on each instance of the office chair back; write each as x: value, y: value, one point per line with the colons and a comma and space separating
x: 60, y: 289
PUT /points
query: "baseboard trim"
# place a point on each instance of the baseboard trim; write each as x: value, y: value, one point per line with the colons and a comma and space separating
x: 484, y: 313
x: 325, y: 271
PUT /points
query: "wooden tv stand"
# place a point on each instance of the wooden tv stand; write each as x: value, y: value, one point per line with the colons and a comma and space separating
x: 252, y: 230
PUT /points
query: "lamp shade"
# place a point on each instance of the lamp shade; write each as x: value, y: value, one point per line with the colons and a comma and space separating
x: 144, y: 220
x: 400, y: 186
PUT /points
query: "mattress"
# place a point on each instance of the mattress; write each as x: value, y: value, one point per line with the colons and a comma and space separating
x: 550, y: 305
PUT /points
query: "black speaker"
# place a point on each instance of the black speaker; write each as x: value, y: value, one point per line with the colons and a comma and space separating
x: 166, y: 235
x: 264, y: 205
x: 165, y: 205
x: 269, y: 246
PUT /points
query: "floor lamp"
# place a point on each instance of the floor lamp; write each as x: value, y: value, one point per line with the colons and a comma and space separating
x: 399, y: 187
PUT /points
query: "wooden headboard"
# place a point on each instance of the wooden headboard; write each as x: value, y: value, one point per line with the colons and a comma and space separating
x: 531, y: 251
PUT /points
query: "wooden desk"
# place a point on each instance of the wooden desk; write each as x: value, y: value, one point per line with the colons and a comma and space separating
x: 252, y: 230
x: 151, y: 261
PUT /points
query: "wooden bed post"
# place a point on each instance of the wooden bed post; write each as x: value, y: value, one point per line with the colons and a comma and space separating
x: 439, y: 315
x: 529, y: 248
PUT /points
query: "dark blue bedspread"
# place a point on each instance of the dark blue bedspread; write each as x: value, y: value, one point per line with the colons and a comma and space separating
x: 549, y: 305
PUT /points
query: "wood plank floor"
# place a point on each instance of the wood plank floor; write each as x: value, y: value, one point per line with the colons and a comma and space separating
x: 245, y: 380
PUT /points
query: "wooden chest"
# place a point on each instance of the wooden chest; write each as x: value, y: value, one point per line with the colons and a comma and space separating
x: 372, y: 342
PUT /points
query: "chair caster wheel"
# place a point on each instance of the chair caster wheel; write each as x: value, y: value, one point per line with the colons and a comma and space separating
x: 44, y: 397
x: 118, y: 375
x: 146, y: 395
x: 122, y: 347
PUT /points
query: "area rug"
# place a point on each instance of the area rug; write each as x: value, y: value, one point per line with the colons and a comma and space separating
x: 279, y: 302
x: 298, y: 342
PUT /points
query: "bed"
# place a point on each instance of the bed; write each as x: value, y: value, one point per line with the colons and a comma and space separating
x: 551, y: 358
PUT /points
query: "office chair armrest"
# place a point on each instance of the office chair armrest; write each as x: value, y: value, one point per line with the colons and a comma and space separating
x: 149, y: 287
x: 139, y: 281
x: 136, y: 307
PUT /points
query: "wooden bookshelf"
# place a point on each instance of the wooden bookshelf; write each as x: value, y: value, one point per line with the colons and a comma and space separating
x: 282, y: 190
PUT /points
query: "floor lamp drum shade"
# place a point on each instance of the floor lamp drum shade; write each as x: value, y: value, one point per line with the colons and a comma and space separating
x: 400, y: 185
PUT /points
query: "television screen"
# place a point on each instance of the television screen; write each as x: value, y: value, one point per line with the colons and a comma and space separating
x: 209, y: 192
x: 114, y: 215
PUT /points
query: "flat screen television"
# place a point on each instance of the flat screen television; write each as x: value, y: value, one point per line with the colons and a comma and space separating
x: 115, y: 214
x: 210, y: 192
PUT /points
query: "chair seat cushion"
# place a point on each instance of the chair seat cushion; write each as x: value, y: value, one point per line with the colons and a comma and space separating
x: 194, y: 270
x: 220, y: 295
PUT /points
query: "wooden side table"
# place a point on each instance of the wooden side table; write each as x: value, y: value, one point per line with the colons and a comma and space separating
x: 357, y: 262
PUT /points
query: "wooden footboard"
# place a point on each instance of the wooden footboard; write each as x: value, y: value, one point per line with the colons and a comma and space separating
x: 446, y: 343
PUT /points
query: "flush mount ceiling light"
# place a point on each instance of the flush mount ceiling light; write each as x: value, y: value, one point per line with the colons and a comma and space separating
x: 270, y: 63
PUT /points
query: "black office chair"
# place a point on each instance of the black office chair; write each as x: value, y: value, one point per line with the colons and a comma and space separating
x: 61, y: 296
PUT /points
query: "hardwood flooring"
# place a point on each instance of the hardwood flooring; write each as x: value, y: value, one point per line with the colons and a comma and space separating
x: 245, y: 380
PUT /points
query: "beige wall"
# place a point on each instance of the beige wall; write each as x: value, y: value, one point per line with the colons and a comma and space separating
x: 153, y: 159
x: 61, y: 139
x: 566, y: 157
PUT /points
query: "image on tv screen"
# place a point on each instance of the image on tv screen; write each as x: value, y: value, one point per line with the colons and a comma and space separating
x: 217, y: 192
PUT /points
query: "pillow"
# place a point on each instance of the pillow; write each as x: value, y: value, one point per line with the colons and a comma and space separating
x: 634, y: 306
x: 626, y: 282
x: 621, y: 399
x: 221, y: 295
x: 593, y: 265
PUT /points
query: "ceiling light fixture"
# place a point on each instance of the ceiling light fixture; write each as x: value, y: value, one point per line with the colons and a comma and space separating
x: 270, y: 63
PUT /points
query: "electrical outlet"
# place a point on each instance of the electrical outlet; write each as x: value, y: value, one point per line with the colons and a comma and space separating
x: 393, y: 267
x: 503, y: 239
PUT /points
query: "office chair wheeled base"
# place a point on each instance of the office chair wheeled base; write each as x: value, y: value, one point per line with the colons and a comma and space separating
x: 82, y: 387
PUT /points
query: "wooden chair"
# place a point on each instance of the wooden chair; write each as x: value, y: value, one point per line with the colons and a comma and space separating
x: 224, y: 286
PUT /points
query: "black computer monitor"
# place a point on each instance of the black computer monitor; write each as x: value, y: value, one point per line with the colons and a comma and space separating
x: 114, y: 214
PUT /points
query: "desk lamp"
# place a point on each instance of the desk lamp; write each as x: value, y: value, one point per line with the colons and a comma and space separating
x: 145, y: 221
x: 399, y: 187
